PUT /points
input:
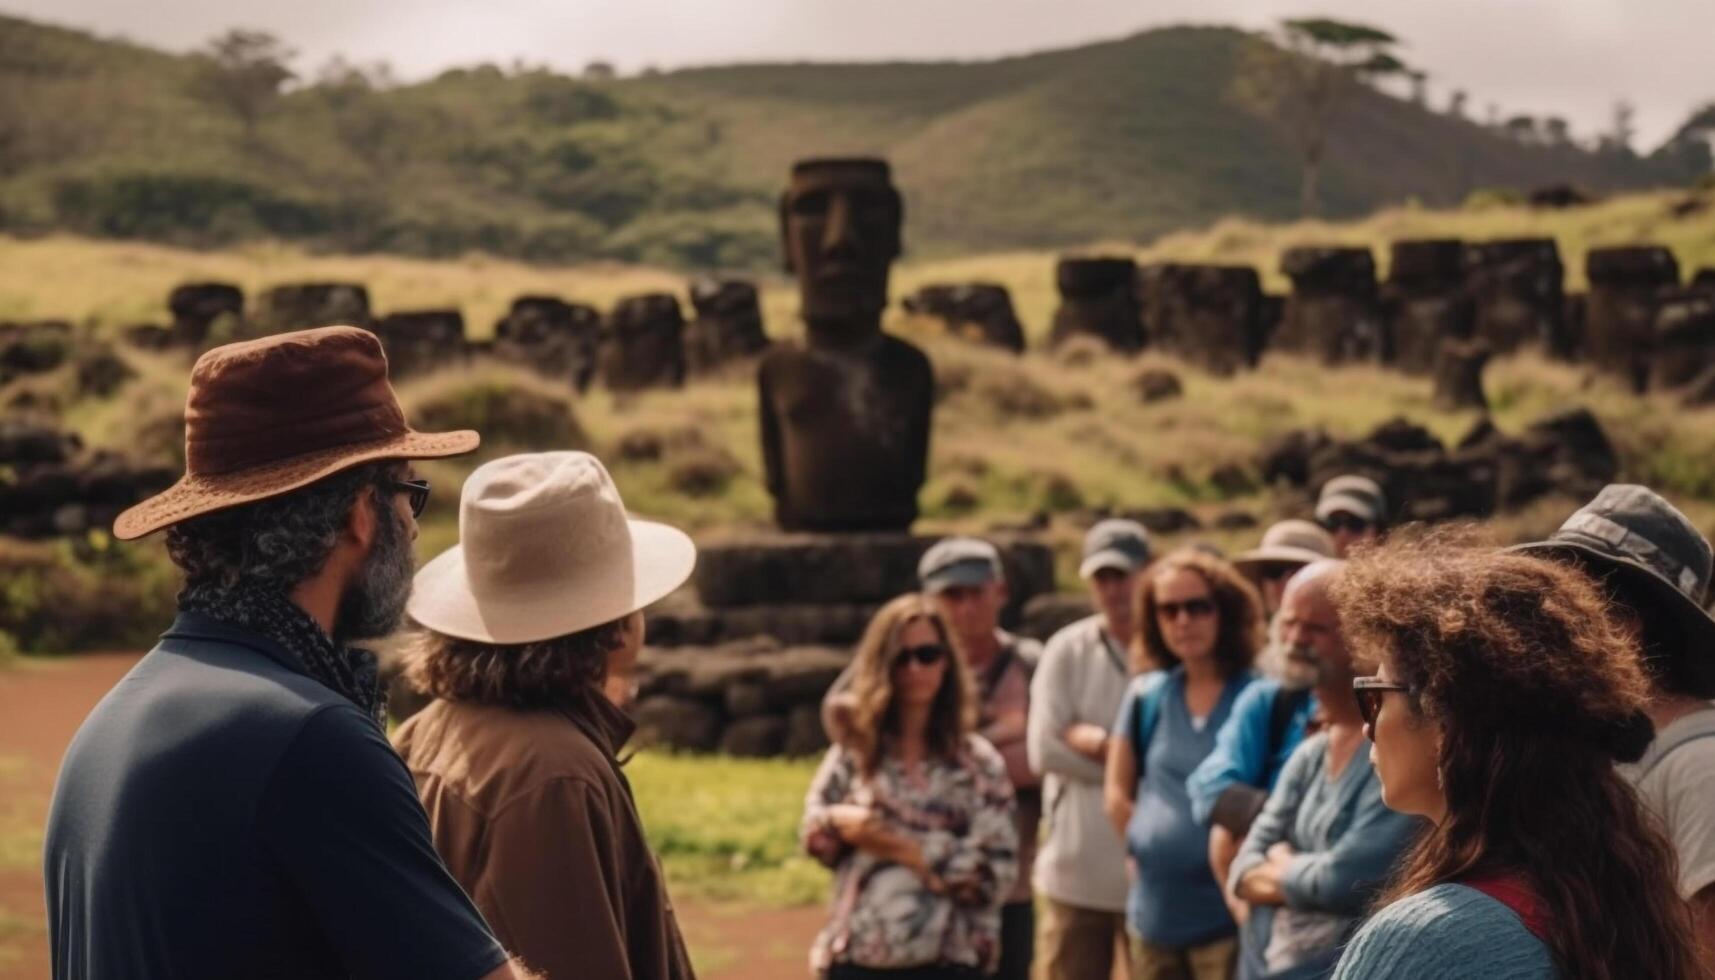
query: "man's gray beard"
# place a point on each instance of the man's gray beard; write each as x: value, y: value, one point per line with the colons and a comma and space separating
x: 1297, y: 674
x: 374, y: 604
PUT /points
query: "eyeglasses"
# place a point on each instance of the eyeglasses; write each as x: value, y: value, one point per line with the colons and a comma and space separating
x: 1344, y: 522
x: 1274, y: 573
x: 927, y: 655
x: 419, y: 491
x: 1369, y: 692
x: 1194, y: 608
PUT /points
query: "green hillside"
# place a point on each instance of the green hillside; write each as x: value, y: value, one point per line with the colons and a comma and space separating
x: 1126, y: 140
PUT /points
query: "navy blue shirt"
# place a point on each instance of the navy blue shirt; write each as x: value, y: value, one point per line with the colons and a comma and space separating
x: 222, y: 814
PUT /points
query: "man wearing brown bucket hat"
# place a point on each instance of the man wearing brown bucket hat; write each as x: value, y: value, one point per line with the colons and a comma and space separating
x: 1656, y: 567
x: 532, y: 624
x: 232, y: 808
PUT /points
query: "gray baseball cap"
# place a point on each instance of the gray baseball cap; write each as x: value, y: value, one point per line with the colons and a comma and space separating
x: 1352, y: 494
x: 1115, y: 543
x: 952, y: 562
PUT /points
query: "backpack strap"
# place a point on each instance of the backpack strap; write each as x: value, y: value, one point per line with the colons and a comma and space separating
x: 1281, y: 710
x: 1516, y: 894
x: 1146, y: 713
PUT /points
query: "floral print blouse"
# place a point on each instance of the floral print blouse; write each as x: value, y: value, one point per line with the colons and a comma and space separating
x: 960, y: 812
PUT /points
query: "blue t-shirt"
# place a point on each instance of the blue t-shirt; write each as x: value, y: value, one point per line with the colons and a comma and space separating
x: 1242, y: 751
x: 1175, y: 900
x: 222, y: 814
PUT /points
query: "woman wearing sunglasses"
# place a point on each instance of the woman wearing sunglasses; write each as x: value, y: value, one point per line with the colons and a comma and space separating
x: 1504, y: 696
x: 913, y: 812
x: 1200, y: 625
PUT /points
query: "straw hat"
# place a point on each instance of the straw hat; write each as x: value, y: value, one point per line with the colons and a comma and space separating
x: 266, y: 417
x: 1289, y: 542
x: 545, y: 549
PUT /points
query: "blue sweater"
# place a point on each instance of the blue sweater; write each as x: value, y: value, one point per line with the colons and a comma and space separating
x: 1241, y: 748
x: 1175, y: 901
x: 1347, y: 842
x: 1449, y: 932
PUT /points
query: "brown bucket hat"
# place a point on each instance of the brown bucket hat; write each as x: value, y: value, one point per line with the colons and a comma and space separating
x: 266, y: 417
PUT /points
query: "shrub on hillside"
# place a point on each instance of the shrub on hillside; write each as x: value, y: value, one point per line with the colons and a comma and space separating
x: 509, y: 411
x: 84, y: 594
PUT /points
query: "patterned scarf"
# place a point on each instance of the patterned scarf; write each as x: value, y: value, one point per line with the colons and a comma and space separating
x: 351, y: 672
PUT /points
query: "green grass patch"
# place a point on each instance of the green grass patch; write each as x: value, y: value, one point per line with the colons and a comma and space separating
x: 726, y: 830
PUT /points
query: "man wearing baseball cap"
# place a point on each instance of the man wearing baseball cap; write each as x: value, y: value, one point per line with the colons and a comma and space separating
x: 966, y: 582
x: 1353, y: 510
x: 1656, y: 567
x: 232, y: 808
x: 1081, y: 869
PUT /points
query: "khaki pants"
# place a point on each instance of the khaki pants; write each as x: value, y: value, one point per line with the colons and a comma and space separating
x: 1079, y: 943
x: 1216, y: 960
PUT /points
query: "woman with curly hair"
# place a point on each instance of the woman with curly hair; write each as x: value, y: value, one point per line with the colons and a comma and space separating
x: 1505, y: 694
x: 532, y: 624
x: 913, y: 812
x: 1199, y: 628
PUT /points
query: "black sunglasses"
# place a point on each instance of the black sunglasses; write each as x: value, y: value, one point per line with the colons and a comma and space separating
x: 1271, y: 573
x: 419, y: 491
x: 1345, y: 522
x: 928, y: 654
x: 1369, y: 692
x: 1194, y: 608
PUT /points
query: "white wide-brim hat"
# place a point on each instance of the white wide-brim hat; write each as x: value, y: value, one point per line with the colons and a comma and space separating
x: 546, y: 549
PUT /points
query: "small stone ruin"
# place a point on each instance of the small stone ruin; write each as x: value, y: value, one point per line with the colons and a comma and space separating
x: 1425, y: 301
x: 1627, y: 285
x: 644, y: 346
x: 1517, y: 286
x: 1334, y: 312
x: 558, y: 339
x: 1210, y: 315
x: 195, y: 306
x: 300, y: 306
x: 422, y: 340
x: 56, y: 488
x: 1683, y: 349
x: 728, y: 325
x: 979, y: 311
x: 1098, y: 298
x: 1459, y: 374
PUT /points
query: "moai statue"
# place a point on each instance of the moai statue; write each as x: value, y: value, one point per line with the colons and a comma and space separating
x: 644, y: 345
x: 1425, y: 300
x: 1627, y: 285
x: 1520, y: 295
x: 421, y: 340
x: 977, y: 311
x: 1211, y: 315
x: 845, y: 417
x: 1684, y: 345
x: 557, y: 339
x: 1334, y: 313
x: 1098, y: 298
x: 300, y: 306
x: 196, y: 305
x: 1459, y: 374
x: 728, y: 324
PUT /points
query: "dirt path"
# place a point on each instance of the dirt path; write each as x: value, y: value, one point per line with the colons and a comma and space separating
x: 42, y: 703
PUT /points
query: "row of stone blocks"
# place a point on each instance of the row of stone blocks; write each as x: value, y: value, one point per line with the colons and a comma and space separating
x: 644, y: 341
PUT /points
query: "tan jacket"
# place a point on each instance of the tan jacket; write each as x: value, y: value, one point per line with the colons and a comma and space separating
x: 537, y: 823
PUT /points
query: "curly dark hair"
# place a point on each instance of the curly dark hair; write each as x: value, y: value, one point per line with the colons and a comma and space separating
x: 1238, y: 607
x: 1537, y: 692
x: 875, y: 716
x: 280, y: 541
x: 559, y: 674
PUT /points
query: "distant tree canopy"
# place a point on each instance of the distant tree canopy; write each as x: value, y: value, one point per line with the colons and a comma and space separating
x: 1309, y: 74
x: 242, y: 73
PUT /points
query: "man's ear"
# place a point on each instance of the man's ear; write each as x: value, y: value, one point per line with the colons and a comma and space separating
x: 360, y: 520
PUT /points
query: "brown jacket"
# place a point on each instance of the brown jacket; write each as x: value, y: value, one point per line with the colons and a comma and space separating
x: 535, y: 820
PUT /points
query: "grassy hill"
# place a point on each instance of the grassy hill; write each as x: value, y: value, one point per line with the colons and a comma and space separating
x: 1126, y: 139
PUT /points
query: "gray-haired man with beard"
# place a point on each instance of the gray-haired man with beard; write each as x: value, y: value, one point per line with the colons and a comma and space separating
x: 233, y: 808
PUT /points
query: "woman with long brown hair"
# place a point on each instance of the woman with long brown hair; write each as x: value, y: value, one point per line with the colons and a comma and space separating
x: 1199, y: 625
x: 1504, y: 696
x: 913, y: 812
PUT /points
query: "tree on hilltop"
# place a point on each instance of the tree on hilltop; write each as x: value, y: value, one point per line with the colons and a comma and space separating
x: 1307, y: 74
x: 242, y: 74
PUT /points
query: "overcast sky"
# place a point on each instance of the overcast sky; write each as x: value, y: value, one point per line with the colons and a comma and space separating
x: 1572, y: 58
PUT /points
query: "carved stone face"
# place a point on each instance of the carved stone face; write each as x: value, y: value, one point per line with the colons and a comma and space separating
x: 840, y: 222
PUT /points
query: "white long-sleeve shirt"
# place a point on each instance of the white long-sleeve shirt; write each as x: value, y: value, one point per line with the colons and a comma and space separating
x: 1082, y: 678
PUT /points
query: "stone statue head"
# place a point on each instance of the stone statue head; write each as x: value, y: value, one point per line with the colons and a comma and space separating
x: 840, y: 222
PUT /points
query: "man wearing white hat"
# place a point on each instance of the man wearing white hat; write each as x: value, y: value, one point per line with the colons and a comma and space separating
x: 528, y: 621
